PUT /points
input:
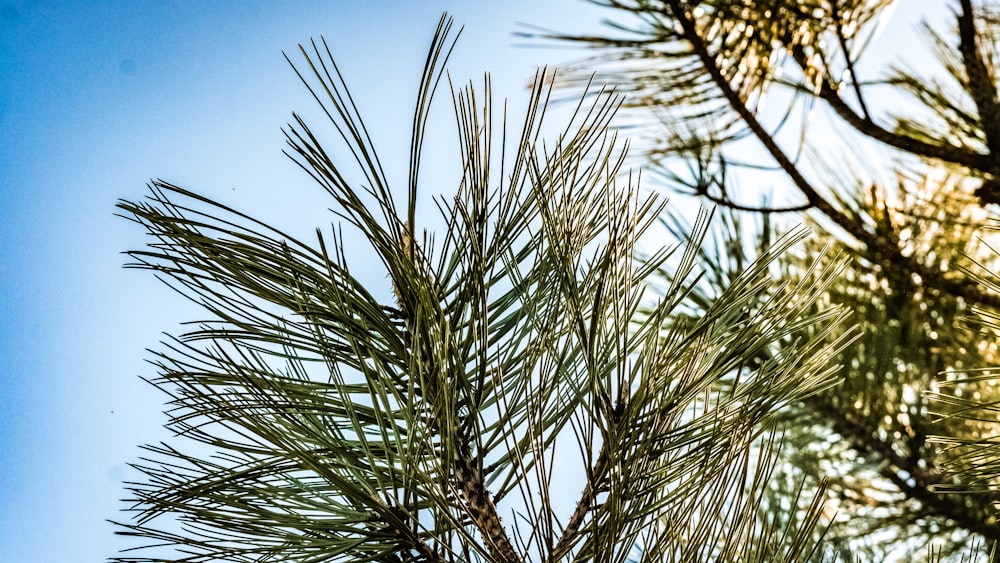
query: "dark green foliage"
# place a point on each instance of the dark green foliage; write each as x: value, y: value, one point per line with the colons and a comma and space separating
x: 322, y: 420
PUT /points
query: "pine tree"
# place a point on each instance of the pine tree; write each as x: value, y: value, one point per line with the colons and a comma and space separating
x: 516, y: 350
x: 899, y: 168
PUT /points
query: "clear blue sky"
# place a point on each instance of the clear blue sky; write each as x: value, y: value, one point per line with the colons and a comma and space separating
x: 95, y: 99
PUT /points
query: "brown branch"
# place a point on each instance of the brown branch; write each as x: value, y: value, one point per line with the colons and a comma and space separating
x: 467, y: 471
x: 571, y: 533
x: 408, y: 539
x: 483, y: 510
x: 842, y: 40
x: 867, y: 127
x: 724, y: 201
x: 708, y: 62
x: 881, y: 252
x: 394, y: 519
x: 980, y: 86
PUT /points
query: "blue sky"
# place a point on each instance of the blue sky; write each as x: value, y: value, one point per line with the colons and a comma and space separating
x: 95, y: 99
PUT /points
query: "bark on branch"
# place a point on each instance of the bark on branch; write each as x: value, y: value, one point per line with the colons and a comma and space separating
x: 980, y: 85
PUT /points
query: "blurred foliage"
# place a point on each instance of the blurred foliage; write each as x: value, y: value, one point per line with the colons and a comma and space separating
x: 896, y: 165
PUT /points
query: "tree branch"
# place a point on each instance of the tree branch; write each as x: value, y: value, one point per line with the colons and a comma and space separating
x: 867, y: 127
x: 408, y: 540
x: 571, y: 533
x: 466, y: 469
x: 708, y: 62
x: 980, y: 85
x: 724, y: 201
x: 483, y: 510
x: 880, y: 251
x: 842, y: 40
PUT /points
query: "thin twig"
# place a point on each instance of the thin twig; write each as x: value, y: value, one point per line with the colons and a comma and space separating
x: 867, y: 127
x: 847, y: 58
x: 571, y: 533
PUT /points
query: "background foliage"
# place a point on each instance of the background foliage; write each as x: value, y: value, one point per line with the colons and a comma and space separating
x: 896, y: 164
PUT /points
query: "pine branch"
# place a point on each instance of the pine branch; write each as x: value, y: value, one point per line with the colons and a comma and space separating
x: 483, y: 511
x: 848, y: 59
x: 880, y: 250
x: 709, y: 66
x: 980, y: 85
x: 867, y: 127
x: 466, y: 471
x: 725, y: 201
x: 679, y: 11
x: 571, y: 534
x: 350, y: 430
